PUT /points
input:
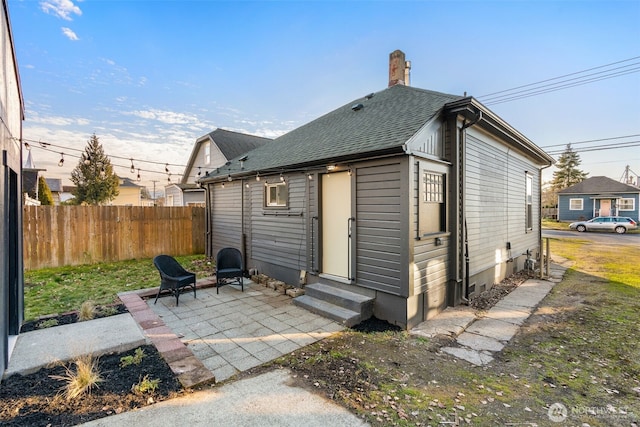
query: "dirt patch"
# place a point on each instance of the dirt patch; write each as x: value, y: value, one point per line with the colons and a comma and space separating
x: 36, y: 400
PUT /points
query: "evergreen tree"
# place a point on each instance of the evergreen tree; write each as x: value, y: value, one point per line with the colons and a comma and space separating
x: 568, y: 173
x: 95, y: 181
x: 44, y: 192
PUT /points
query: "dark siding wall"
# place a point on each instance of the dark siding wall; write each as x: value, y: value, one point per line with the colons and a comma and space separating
x: 495, y: 199
x: 226, y: 225
x: 380, y: 241
x: 430, y: 261
x: 279, y: 236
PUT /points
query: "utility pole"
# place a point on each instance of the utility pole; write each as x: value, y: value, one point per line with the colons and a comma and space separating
x: 154, y: 192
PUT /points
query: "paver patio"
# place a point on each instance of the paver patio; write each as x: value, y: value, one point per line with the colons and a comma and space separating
x: 234, y: 331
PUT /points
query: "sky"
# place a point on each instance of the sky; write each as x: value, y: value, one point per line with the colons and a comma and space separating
x: 149, y: 77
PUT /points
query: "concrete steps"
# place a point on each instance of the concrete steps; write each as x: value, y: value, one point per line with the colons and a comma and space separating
x: 333, y: 302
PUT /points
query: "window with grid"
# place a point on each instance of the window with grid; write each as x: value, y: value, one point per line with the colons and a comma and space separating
x: 432, y: 209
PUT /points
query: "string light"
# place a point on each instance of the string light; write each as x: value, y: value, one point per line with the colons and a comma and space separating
x: 166, y: 168
x: 199, y: 170
x: 281, y: 177
x: 139, y: 175
x: 229, y: 178
x: 258, y: 176
x: 86, y: 158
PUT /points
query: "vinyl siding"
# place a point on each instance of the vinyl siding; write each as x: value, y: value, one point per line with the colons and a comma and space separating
x: 174, y: 193
x: 495, y: 193
x: 278, y: 236
x: 226, y: 216
x: 379, y: 225
x: 430, y: 261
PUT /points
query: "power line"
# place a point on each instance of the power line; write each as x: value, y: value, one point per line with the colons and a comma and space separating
x: 544, y: 86
x: 561, y: 77
x: 590, y: 140
x: 600, y: 148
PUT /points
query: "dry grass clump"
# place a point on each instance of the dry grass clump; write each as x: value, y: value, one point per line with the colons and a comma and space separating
x: 87, y: 311
x: 81, y: 380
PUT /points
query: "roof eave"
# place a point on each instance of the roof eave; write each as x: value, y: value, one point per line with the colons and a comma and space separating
x: 469, y: 108
x: 299, y: 167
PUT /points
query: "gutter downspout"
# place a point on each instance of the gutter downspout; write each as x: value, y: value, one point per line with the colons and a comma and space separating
x: 463, y: 215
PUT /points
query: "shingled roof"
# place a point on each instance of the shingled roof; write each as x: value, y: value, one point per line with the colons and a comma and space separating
x: 231, y: 144
x: 376, y: 123
x: 599, y: 185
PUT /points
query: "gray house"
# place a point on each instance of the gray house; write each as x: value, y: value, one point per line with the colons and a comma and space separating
x: 598, y: 196
x: 12, y: 115
x: 412, y: 199
x: 209, y: 152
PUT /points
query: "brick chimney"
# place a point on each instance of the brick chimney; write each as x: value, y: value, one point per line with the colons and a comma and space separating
x: 398, y: 69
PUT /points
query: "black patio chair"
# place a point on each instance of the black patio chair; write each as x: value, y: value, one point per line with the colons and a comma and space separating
x: 228, y: 268
x: 173, y: 277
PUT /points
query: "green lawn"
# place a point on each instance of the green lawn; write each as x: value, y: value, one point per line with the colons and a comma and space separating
x: 63, y: 289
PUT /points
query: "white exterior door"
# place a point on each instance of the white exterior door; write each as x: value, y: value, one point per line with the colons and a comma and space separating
x: 336, y: 214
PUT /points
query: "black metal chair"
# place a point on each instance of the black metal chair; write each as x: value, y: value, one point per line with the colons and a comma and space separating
x: 173, y: 276
x: 229, y: 268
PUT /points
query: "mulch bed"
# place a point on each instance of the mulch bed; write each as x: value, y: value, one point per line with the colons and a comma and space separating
x: 71, y: 317
x: 36, y: 400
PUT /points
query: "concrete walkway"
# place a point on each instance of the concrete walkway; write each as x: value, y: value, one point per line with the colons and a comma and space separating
x: 478, y: 338
x: 264, y: 400
x: 39, y: 348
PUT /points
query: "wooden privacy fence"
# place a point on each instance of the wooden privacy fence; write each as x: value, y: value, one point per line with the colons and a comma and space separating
x: 70, y: 235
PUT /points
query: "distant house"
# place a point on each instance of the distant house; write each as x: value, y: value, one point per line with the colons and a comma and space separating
x: 30, y: 175
x: 184, y: 195
x: 415, y: 199
x: 11, y: 262
x: 129, y: 194
x: 55, y: 185
x: 598, y: 196
x: 210, y: 152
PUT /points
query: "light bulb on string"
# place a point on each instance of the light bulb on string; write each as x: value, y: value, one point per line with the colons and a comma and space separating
x: 139, y: 175
x: 166, y: 168
x: 87, y: 159
x: 133, y: 168
x: 61, y: 162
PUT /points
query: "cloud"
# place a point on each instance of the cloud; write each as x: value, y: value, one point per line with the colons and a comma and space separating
x: 168, y: 117
x: 69, y: 33
x: 60, y: 8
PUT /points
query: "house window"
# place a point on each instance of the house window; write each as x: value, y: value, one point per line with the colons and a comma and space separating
x: 432, y: 209
x: 207, y: 153
x: 575, y: 204
x: 626, y: 204
x: 276, y: 195
x: 529, y: 202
